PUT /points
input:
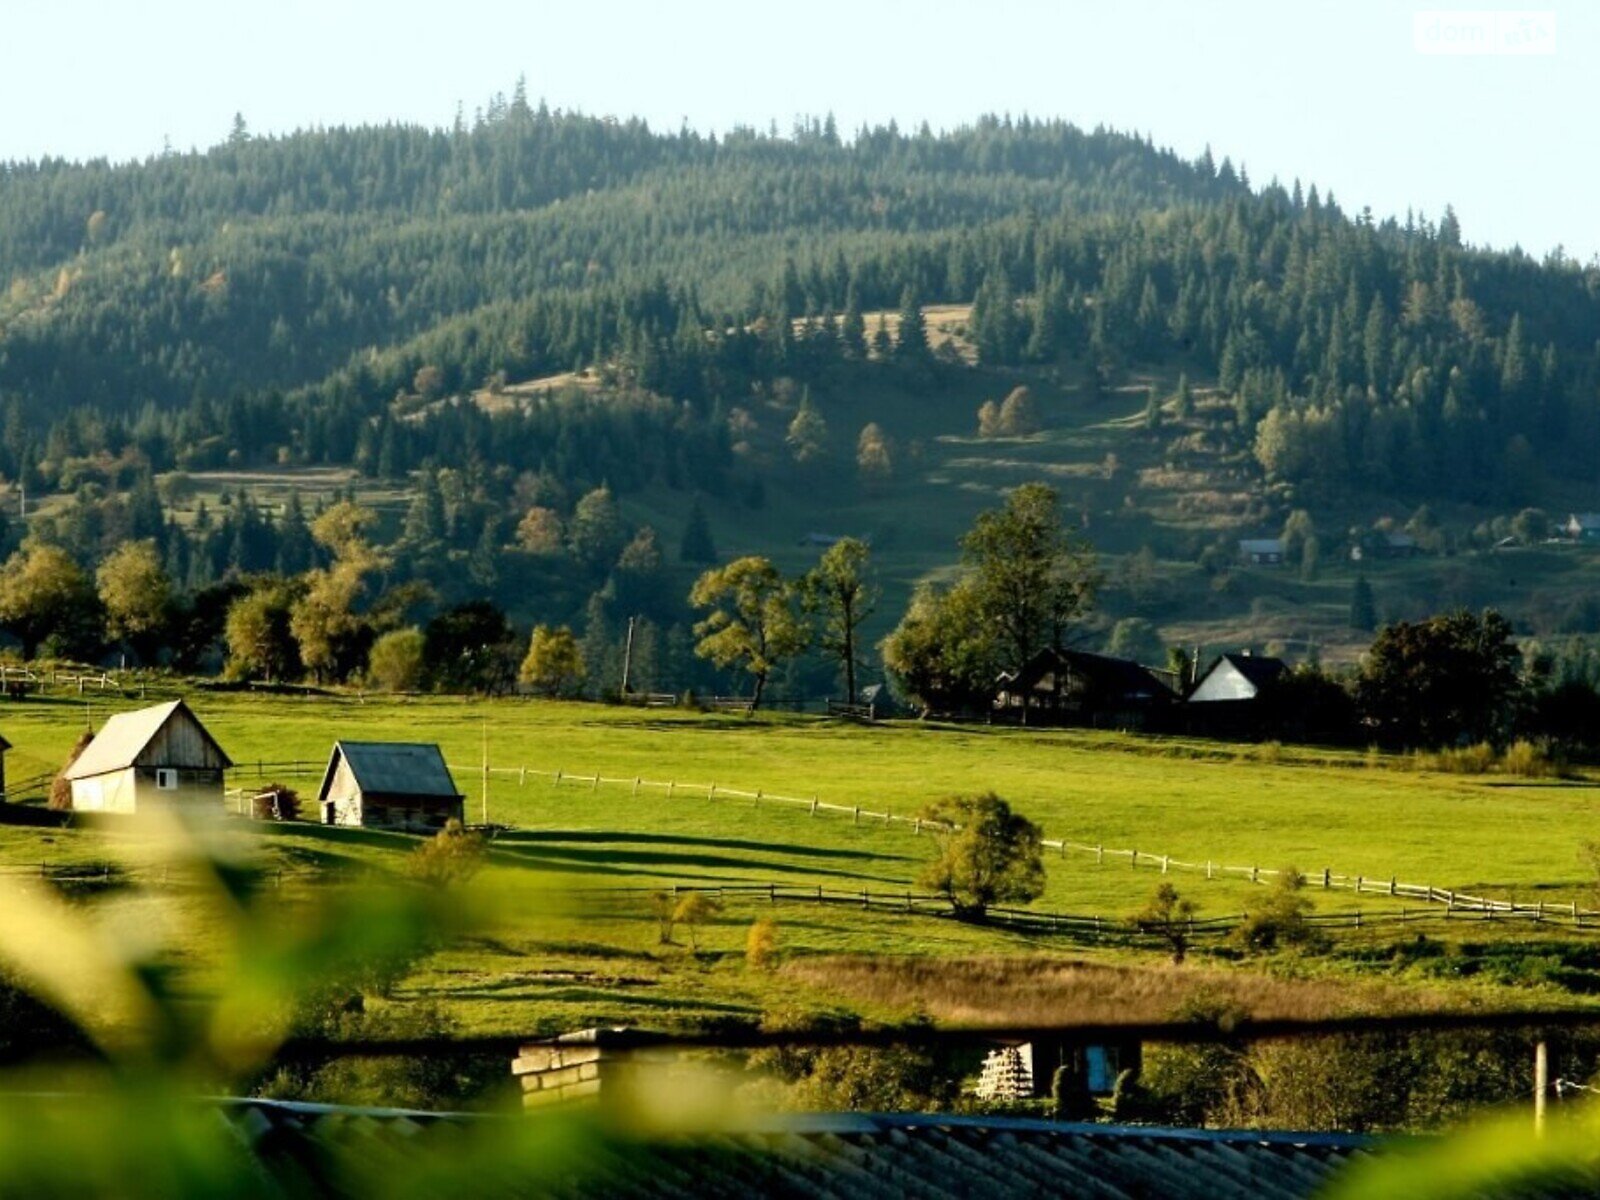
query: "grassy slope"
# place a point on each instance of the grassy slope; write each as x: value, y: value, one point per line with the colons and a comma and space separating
x: 600, y: 961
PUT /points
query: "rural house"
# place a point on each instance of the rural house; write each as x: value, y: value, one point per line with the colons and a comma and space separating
x: 388, y: 785
x: 1261, y: 552
x: 1078, y: 688
x: 1226, y: 700
x: 1583, y: 527
x: 1236, y: 677
x: 156, y: 756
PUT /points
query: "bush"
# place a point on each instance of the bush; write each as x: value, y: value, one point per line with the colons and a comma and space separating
x: 275, y: 802
x: 395, y: 662
x: 761, y: 944
x: 451, y: 856
x: 1282, y: 920
x: 1531, y: 760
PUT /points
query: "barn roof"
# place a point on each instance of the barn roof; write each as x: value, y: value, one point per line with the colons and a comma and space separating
x: 1259, y: 669
x: 393, y: 769
x: 125, y: 735
x: 1121, y: 677
x: 859, y: 1156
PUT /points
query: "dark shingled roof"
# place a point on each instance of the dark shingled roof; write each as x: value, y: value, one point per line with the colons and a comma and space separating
x: 393, y: 769
x: 862, y: 1157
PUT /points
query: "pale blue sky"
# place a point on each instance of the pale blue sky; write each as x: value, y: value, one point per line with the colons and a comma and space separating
x: 1335, y: 93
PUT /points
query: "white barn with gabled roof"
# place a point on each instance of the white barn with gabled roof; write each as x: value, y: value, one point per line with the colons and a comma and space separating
x: 157, y: 756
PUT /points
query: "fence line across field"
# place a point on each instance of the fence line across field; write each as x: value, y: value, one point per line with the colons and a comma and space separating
x: 1327, y: 878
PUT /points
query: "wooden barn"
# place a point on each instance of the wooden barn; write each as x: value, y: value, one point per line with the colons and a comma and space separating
x: 158, y: 756
x: 388, y: 785
x: 1077, y: 688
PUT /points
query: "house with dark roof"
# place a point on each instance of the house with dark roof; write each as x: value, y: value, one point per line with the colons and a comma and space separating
x: 1262, y: 552
x: 1074, y: 687
x: 160, y: 755
x: 388, y: 785
x: 1583, y: 527
x: 1237, y: 677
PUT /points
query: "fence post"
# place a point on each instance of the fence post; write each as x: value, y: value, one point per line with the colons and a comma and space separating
x: 1164, y: 859
x: 711, y: 792
x: 1063, y: 847
x: 756, y: 803
x: 671, y: 786
x: 916, y: 829
x: 595, y: 786
x: 772, y: 894
x: 1359, y: 879
x: 1099, y: 855
x: 522, y: 776
x: 1391, y: 885
x: 1255, y: 874
x: 855, y: 815
x: 813, y: 806
x: 556, y: 781
x: 635, y: 787
x: 1133, y: 859
x: 1208, y: 868
x: 1327, y: 878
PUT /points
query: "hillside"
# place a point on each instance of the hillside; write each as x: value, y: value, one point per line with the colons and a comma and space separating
x: 467, y: 326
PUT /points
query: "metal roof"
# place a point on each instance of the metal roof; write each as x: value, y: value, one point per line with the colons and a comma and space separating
x: 862, y: 1156
x: 393, y: 769
x: 125, y: 735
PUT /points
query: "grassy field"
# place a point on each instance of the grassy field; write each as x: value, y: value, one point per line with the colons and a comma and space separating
x: 555, y: 954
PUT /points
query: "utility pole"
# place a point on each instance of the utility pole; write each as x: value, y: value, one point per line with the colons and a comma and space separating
x: 1541, y: 1084
x: 627, y: 656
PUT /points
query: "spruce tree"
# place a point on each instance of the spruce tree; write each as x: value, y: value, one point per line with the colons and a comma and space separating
x: 1363, y: 612
x: 697, y: 546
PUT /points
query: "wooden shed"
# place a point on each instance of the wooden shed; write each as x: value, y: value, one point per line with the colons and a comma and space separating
x: 161, y: 755
x: 388, y: 785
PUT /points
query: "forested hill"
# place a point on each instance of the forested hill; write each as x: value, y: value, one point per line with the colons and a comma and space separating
x: 168, y: 292
x: 268, y: 262
x: 488, y: 326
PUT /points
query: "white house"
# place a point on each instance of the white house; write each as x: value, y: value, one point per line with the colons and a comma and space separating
x: 159, y: 756
x: 1237, y: 677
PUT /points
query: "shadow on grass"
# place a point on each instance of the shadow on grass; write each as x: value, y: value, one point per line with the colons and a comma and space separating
x: 350, y: 835
x: 604, y: 836
x: 604, y: 860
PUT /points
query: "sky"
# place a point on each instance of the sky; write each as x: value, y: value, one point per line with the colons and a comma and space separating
x: 1355, y: 96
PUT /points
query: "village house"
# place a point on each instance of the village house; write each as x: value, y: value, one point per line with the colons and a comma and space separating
x: 388, y: 785
x: 1078, y: 688
x: 155, y: 757
x: 1583, y: 527
x: 1261, y: 552
x: 1227, y: 699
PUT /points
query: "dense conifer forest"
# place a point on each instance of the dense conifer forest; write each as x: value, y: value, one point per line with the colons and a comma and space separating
x: 377, y: 298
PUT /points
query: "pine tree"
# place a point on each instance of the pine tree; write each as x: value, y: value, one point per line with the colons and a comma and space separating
x: 912, y: 344
x: 697, y: 546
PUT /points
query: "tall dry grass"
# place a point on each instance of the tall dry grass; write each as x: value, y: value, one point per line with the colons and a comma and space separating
x: 1051, y: 991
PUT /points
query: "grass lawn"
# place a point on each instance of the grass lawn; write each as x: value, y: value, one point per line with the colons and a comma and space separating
x: 555, y: 955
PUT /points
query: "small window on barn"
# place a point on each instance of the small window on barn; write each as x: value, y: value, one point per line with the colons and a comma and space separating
x: 166, y: 779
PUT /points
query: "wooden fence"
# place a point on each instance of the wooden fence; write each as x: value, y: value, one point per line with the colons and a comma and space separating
x: 1327, y: 879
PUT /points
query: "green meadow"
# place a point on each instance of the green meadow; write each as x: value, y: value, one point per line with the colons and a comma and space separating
x: 555, y: 951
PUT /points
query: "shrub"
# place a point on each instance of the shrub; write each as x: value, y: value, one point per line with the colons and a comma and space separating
x: 1281, y: 920
x: 451, y: 856
x: 694, y: 909
x: 761, y: 944
x: 1070, y: 1099
x: 395, y: 662
x: 1532, y: 760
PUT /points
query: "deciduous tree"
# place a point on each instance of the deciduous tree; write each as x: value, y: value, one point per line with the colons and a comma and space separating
x: 752, y: 624
x: 987, y: 854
